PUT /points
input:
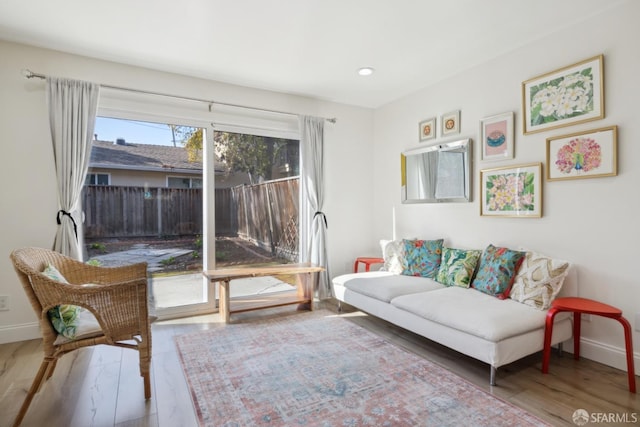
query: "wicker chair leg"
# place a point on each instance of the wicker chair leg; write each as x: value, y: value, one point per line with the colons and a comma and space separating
x: 147, y: 385
x: 145, y: 367
x: 52, y: 367
x: 35, y: 386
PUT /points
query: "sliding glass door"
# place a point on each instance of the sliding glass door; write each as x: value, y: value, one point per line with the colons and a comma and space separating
x: 144, y: 200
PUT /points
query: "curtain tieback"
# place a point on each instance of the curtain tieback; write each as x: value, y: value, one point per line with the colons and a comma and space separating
x: 322, y: 216
x: 75, y: 226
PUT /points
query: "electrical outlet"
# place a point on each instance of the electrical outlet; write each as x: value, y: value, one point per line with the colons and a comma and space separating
x: 586, y: 317
x: 4, y: 302
x: 637, y: 322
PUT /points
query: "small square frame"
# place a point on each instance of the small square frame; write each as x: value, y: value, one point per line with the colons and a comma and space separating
x: 450, y: 123
x: 427, y: 129
x: 587, y: 154
x: 497, y: 137
x: 512, y: 191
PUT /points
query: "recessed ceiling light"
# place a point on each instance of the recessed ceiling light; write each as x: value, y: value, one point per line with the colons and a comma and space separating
x: 365, y: 71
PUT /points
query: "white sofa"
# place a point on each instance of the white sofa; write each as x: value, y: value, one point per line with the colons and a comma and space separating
x: 482, y: 326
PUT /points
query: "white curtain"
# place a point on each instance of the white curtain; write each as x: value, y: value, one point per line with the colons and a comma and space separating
x: 72, y: 114
x: 313, y: 221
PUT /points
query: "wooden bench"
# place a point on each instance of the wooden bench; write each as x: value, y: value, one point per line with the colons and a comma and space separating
x: 225, y: 276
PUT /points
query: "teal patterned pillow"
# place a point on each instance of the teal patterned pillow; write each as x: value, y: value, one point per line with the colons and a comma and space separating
x: 422, y: 257
x: 64, y: 318
x: 497, y: 270
x: 457, y: 267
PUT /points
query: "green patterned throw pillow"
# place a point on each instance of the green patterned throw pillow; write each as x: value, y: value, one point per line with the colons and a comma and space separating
x: 64, y: 318
x: 457, y: 267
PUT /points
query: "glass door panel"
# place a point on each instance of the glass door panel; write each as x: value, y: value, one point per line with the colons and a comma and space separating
x: 151, y: 210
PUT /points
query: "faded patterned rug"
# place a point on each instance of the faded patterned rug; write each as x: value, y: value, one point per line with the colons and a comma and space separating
x: 317, y: 369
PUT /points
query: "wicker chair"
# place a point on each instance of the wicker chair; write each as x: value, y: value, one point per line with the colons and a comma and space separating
x: 118, y: 302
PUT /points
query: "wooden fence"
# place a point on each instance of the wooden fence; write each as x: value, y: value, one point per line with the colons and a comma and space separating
x: 120, y: 212
x: 265, y: 214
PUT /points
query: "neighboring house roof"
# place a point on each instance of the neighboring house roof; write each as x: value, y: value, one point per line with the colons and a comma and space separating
x: 145, y: 157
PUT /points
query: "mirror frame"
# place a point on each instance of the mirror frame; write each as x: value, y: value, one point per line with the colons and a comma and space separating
x: 443, y: 147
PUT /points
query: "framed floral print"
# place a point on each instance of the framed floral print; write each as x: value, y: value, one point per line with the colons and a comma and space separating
x: 450, y: 123
x: 427, y: 129
x: 512, y: 191
x: 570, y: 95
x: 496, y: 137
x: 589, y: 154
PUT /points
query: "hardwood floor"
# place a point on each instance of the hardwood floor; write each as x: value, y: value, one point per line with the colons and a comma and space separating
x: 102, y: 386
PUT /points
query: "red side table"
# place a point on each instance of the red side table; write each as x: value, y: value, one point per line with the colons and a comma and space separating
x: 578, y: 306
x: 367, y: 261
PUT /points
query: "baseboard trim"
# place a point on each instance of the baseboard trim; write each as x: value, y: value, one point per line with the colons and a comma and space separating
x: 23, y: 332
x: 606, y: 354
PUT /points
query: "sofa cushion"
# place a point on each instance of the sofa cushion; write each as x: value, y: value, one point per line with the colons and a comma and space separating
x: 385, y: 286
x: 473, y: 312
x: 422, y: 257
x: 497, y: 271
x: 539, y: 280
x: 457, y: 266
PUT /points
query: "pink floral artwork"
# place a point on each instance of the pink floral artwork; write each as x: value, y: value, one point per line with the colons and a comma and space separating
x: 511, y: 192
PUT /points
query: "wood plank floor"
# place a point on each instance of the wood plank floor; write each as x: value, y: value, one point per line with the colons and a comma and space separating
x: 102, y: 386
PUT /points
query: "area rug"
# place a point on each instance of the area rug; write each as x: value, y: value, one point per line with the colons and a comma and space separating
x: 318, y: 369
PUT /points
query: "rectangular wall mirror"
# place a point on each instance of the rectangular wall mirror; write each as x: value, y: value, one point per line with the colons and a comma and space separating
x: 438, y: 173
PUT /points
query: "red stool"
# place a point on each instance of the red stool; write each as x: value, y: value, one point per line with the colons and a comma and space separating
x: 367, y: 261
x: 579, y: 306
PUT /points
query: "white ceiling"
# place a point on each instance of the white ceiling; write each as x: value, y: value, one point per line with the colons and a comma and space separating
x: 304, y: 47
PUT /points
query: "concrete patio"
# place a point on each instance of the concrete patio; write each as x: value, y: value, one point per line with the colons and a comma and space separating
x: 141, y: 253
x: 188, y: 288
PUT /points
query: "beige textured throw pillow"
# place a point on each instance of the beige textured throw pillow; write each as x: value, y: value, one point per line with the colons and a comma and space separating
x: 539, y: 280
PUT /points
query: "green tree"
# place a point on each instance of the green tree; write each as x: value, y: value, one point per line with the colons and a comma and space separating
x: 255, y: 155
x: 193, y: 144
x: 190, y: 138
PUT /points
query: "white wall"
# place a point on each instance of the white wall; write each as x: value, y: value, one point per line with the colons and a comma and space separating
x: 29, y: 202
x: 591, y: 222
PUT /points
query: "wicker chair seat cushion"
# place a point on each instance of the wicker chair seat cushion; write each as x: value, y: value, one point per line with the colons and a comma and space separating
x: 63, y: 317
x: 70, y: 321
x: 86, y: 326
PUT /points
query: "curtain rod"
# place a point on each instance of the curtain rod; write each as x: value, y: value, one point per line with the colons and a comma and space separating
x: 31, y: 75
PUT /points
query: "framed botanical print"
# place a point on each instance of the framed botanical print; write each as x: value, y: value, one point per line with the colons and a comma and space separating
x: 570, y: 95
x: 512, y: 191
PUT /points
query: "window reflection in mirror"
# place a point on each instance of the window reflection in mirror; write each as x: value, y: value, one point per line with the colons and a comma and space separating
x: 437, y: 174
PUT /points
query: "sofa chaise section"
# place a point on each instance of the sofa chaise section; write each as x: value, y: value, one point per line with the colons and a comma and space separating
x: 482, y: 326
